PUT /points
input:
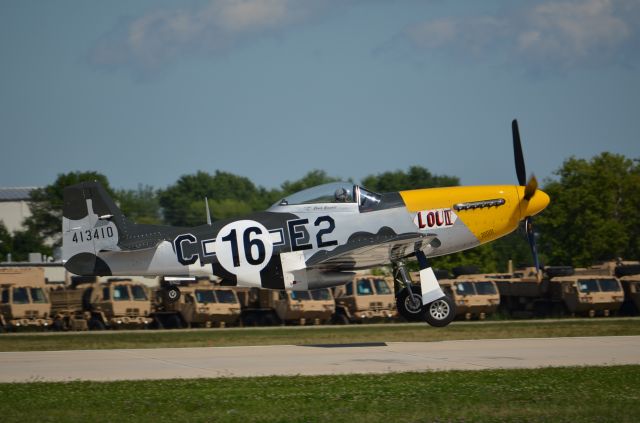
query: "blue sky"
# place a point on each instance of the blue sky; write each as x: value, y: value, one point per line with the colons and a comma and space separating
x: 147, y: 91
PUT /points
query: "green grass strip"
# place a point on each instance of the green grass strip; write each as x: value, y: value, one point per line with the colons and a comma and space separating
x: 584, y: 394
x: 317, y: 335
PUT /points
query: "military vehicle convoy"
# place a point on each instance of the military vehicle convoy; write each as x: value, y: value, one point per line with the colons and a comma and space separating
x: 366, y: 298
x: 201, y: 304
x: 90, y: 304
x: 263, y: 307
x: 561, y: 290
x: 24, y: 303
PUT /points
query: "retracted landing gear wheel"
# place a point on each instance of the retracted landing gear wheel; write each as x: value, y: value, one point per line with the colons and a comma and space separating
x: 410, y: 306
x: 440, y: 312
x: 172, y: 294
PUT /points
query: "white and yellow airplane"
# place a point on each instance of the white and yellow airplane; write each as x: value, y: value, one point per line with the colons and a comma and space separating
x: 313, y: 239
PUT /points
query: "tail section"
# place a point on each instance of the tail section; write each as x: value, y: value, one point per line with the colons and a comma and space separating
x: 91, y: 222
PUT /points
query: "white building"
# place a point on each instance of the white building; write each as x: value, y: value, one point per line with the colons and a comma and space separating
x: 14, y: 207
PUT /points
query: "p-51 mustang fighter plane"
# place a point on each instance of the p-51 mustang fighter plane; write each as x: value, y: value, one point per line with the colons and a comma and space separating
x: 313, y: 239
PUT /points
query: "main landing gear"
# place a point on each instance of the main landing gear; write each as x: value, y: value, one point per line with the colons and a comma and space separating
x: 438, y: 312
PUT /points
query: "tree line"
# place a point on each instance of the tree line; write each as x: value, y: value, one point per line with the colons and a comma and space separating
x: 594, y: 214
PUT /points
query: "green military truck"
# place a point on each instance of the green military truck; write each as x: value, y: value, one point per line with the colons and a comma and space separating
x: 367, y: 298
x: 118, y: 303
x: 24, y: 303
x: 201, y: 304
x: 264, y: 307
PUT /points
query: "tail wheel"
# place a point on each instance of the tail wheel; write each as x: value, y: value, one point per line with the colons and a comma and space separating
x: 410, y: 305
x: 172, y: 294
x: 440, y: 312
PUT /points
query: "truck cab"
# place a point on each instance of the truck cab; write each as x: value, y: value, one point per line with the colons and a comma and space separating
x: 474, y: 297
x: 364, y: 299
x: 24, y: 303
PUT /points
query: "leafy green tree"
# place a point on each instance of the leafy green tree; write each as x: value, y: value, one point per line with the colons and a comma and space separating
x: 6, y: 241
x: 514, y: 247
x: 28, y: 241
x: 183, y: 203
x: 416, y: 177
x: 594, y: 214
x: 46, y: 204
x: 141, y: 205
x: 483, y: 257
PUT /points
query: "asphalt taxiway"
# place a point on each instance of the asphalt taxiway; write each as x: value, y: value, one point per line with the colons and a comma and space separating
x: 171, y: 363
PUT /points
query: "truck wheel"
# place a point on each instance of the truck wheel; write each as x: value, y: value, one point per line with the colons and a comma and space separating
x: 95, y: 324
x: 174, y: 322
x: 340, y: 319
x: 172, y: 294
x: 410, y: 306
x: 440, y: 312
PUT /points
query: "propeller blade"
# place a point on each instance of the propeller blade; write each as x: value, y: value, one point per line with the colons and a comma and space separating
x: 517, y: 153
x: 528, y: 223
x: 530, y: 189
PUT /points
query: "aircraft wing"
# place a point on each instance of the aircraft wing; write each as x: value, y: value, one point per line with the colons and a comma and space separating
x: 369, y: 252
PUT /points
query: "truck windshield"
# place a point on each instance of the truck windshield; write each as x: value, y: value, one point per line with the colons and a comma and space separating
x: 364, y: 287
x: 20, y: 296
x: 138, y: 293
x: 37, y: 296
x: 465, y: 288
x: 121, y: 293
x: 300, y: 295
x: 588, y: 285
x: 205, y: 296
x: 485, y: 288
x: 609, y: 285
x: 381, y: 287
x: 321, y: 294
x: 226, y: 296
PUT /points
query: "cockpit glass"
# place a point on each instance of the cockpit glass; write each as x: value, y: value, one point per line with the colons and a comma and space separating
x: 335, y: 192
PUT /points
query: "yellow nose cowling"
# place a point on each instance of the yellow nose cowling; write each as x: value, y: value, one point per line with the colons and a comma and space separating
x: 535, y: 205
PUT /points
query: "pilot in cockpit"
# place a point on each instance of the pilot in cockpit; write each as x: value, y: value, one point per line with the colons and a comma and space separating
x: 342, y: 195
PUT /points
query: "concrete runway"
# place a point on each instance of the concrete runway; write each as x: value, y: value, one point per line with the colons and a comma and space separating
x: 170, y: 363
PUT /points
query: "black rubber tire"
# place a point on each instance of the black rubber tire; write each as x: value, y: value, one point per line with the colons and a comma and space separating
x: 340, y: 319
x: 174, y: 322
x: 440, y: 312
x: 627, y: 270
x: 553, y: 271
x: 269, y: 319
x: 96, y: 324
x: 171, y: 294
x: 403, y: 304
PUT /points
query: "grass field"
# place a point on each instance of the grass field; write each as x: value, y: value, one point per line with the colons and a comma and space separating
x: 317, y: 335
x: 588, y: 394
